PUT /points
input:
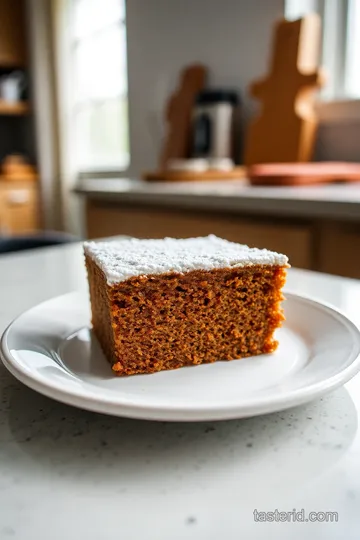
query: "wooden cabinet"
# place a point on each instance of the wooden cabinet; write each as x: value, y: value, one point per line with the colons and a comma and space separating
x: 12, y: 33
x: 18, y: 199
x: 339, y: 249
x: 18, y: 208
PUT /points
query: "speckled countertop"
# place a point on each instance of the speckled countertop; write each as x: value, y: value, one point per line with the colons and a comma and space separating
x: 71, y: 474
x: 337, y: 201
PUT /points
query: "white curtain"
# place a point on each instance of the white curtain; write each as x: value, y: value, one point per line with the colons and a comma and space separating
x: 48, y: 28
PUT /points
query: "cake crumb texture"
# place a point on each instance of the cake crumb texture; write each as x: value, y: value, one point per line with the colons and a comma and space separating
x: 155, y: 322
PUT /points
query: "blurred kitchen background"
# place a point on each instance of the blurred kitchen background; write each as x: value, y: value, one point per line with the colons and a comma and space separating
x: 138, y: 117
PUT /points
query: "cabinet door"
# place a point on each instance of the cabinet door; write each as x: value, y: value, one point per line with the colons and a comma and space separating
x: 339, y: 249
x: 12, y: 33
x: 19, y: 210
x: 3, y: 224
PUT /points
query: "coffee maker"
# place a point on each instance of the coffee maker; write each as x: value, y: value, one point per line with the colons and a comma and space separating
x: 213, y: 125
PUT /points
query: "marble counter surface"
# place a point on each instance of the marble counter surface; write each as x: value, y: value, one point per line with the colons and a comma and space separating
x: 338, y: 201
x: 71, y: 474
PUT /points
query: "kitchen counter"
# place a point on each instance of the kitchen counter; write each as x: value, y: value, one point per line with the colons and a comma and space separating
x: 72, y: 474
x: 317, y: 226
x: 338, y: 201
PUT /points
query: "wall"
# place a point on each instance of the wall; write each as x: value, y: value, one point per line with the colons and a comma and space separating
x: 338, y: 141
x: 231, y: 37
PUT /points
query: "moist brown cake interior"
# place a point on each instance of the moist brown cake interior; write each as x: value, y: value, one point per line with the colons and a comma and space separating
x: 153, y: 323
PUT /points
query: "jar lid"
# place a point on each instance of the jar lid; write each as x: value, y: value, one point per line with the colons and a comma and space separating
x: 212, y: 96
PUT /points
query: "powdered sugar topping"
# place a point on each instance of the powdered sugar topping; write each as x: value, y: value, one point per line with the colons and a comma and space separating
x: 124, y: 259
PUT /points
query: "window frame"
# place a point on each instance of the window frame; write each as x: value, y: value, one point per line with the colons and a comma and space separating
x: 65, y: 44
x: 334, y: 105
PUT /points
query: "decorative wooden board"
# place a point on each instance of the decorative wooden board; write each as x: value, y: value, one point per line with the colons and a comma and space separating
x: 192, y: 176
x: 284, y: 131
x: 300, y: 174
x: 178, y: 114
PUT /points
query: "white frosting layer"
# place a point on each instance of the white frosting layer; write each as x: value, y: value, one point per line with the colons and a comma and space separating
x: 124, y: 259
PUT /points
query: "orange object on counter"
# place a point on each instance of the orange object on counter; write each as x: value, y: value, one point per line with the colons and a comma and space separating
x: 299, y: 174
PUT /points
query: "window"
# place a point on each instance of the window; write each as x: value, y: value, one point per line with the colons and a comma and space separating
x: 99, y: 104
x: 353, y: 49
x: 341, y: 42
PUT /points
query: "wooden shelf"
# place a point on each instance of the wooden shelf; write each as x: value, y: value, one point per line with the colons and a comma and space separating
x: 13, y: 109
x: 13, y: 38
x: 16, y: 180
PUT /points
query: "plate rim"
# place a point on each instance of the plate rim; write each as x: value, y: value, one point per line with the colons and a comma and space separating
x: 112, y: 406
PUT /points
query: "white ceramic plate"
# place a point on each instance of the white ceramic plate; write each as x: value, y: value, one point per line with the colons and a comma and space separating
x: 51, y: 349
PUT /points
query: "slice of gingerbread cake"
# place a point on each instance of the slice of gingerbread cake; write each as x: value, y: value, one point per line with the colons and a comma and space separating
x: 164, y: 304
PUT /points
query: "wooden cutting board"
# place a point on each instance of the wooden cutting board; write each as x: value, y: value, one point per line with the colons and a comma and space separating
x: 178, y: 114
x: 300, y: 174
x: 236, y: 173
x: 284, y: 131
